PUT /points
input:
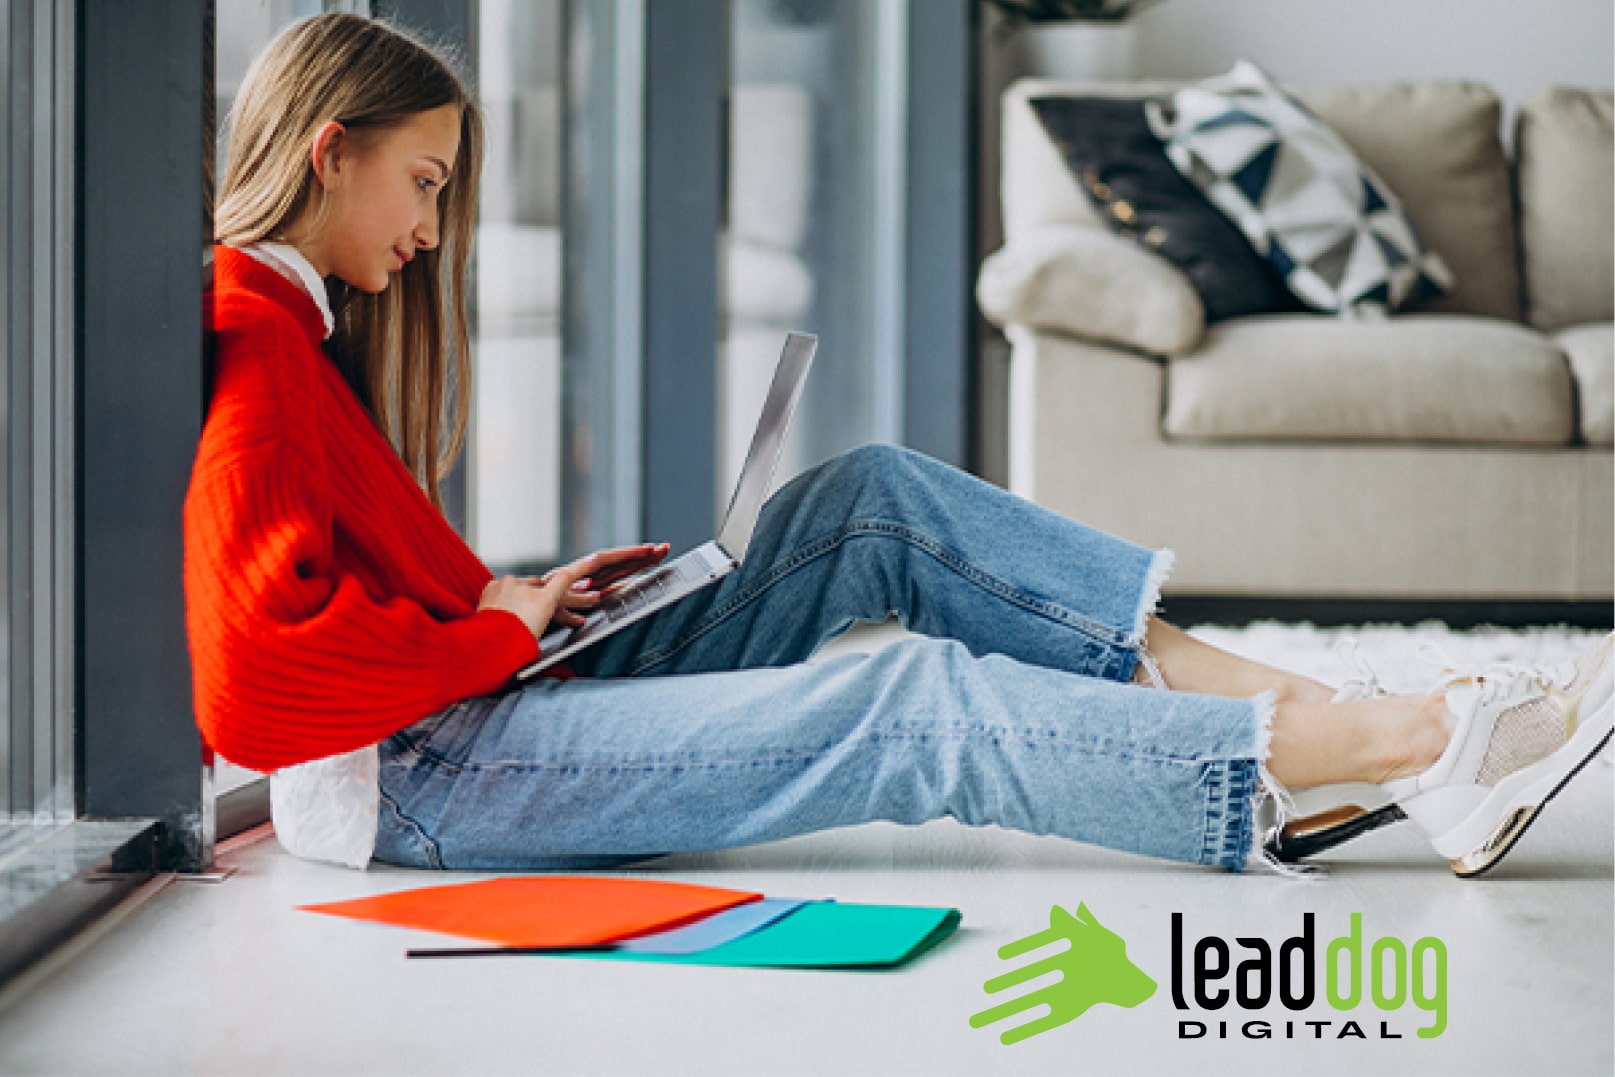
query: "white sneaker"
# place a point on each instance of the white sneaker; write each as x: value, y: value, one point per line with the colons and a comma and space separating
x: 1522, y: 734
x: 1323, y: 816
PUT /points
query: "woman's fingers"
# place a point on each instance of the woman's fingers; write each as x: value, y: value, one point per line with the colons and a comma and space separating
x: 580, y: 600
x: 566, y: 577
x: 646, y: 552
x: 638, y: 550
x: 597, y: 571
x: 626, y: 561
x: 566, y: 596
x: 578, y: 587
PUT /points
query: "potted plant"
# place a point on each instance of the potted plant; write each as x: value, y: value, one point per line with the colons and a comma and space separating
x: 1017, y: 12
x: 1073, y: 39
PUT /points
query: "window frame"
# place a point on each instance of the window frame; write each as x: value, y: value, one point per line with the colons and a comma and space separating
x: 125, y: 780
x: 141, y: 81
x: 36, y: 395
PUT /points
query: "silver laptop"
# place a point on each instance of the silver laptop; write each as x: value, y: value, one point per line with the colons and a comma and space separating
x: 665, y: 584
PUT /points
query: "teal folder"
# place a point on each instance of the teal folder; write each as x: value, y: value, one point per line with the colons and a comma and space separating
x: 819, y: 935
x: 723, y: 926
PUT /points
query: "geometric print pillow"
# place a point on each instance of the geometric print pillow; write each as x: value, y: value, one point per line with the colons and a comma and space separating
x: 1117, y: 160
x: 1307, y: 203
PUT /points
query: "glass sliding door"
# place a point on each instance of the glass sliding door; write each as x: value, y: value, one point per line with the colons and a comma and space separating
x: 514, y: 472
x: 603, y: 259
x: 241, y: 29
x: 814, y: 220
x: 36, y: 413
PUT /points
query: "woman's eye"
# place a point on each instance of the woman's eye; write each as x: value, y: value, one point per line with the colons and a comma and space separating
x: 424, y: 183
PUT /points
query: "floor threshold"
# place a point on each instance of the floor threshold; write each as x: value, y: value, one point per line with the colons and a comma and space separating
x: 56, y: 878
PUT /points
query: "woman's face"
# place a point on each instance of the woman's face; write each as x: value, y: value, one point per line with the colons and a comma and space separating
x: 382, y: 193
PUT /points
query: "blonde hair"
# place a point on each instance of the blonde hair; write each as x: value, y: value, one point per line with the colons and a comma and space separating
x: 395, y: 347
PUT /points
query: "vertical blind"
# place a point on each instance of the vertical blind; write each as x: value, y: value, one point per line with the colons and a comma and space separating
x: 36, y: 408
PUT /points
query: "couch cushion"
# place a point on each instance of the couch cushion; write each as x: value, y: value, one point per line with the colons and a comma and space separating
x: 1565, y: 152
x: 1416, y: 378
x: 1119, y: 162
x: 1038, y: 189
x: 1591, y: 350
x: 1437, y: 145
x: 1091, y: 284
x: 1305, y: 201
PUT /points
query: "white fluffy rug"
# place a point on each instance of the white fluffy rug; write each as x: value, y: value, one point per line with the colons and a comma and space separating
x: 1392, y: 651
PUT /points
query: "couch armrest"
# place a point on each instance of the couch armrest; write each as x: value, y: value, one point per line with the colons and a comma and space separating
x: 1094, y: 285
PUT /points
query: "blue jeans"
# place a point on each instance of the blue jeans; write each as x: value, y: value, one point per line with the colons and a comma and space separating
x: 701, y: 727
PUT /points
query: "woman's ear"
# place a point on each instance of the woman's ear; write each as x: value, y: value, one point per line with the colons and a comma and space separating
x: 326, y: 152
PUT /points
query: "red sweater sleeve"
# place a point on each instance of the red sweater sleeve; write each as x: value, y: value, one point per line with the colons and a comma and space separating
x: 294, y: 658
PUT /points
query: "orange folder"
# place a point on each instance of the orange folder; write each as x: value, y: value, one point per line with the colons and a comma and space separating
x: 544, y: 911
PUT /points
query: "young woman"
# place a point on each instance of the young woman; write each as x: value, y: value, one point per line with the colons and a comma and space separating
x: 343, y: 635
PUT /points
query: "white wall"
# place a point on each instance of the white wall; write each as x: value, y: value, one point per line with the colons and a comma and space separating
x: 1514, y: 47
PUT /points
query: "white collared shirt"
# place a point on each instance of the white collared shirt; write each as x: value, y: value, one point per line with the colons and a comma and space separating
x: 284, y: 255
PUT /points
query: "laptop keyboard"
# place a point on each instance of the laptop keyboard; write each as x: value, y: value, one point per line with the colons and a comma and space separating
x: 637, y: 594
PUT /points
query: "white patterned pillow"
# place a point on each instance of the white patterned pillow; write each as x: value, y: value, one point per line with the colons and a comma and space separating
x: 1305, y: 201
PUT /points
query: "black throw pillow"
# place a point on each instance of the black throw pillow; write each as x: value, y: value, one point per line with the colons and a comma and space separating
x: 1120, y: 165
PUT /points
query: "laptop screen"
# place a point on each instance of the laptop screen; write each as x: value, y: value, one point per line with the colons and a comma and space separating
x: 747, y: 503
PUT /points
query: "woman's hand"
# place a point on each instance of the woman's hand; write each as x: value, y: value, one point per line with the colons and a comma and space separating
x: 559, y: 595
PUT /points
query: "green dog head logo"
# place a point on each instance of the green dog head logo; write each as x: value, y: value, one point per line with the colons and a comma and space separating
x: 1093, y: 969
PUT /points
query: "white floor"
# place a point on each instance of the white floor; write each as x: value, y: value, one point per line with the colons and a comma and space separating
x: 231, y: 978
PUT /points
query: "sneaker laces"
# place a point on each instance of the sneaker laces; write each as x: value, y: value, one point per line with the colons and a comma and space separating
x: 1499, y: 680
x: 1349, y: 655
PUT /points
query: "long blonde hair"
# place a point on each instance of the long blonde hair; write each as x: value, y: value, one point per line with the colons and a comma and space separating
x: 396, y: 347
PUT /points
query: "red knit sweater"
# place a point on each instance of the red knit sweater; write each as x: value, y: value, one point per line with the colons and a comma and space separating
x: 328, y: 604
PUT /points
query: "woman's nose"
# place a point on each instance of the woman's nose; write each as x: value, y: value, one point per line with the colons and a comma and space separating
x: 426, y: 231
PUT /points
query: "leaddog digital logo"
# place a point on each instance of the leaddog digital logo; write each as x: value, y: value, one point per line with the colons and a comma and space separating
x: 1093, y: 969
x: 1209, y: 976
x: 1389, y: 972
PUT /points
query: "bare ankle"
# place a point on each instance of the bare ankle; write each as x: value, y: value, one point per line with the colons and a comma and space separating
x: 1415, y: 733
x: 1298, y: 689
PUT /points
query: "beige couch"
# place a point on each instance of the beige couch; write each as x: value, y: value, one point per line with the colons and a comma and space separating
x: 1460, y: 451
